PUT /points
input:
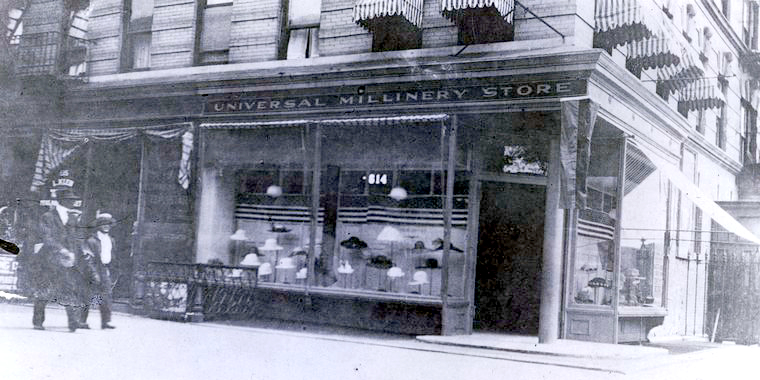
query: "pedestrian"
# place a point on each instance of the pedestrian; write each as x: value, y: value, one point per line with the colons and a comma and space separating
x: 99, y: 248
x: 58, y: 278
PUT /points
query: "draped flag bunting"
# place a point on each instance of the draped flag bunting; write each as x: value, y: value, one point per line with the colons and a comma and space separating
x: 58, y: 145
x: 577, y: 126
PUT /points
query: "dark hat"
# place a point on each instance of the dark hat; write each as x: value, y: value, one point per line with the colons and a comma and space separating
x: 380, y: 262
x: 419, y: 245
x: 353, y: 243
x: 66, y: 193
x: 439, y: 243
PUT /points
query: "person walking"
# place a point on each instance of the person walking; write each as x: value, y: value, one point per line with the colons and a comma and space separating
x: 99, y: 248
x: 58, y: 278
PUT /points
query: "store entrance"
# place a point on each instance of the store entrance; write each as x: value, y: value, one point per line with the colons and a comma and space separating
x: 510, y: 244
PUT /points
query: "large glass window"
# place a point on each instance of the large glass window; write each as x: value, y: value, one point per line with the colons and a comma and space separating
x: 594, y: 264
x: 642, y: 236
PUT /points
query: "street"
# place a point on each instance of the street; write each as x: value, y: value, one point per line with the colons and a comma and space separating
x: 141, y: 348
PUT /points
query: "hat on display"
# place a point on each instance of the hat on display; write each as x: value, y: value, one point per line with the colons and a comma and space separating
x: 102, y: 219
x: 345, y: 267
x: 353, y: 243
x: 380, y: 262
x: 298, y: 251
x: 420, y: 277
x: 239, y: 235
x: 301, y: 274
x: 270, y: 245
x: 439, y: 243
x: 278, y: 227
x: 265, y: 269
x: 390, y: 234
x: 395, y: 272
x: 251, y: 260
x: 419, y: 245
x: 285, y: 263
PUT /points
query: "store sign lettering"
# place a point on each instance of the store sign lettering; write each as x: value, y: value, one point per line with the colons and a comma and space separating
x: 443, y: 95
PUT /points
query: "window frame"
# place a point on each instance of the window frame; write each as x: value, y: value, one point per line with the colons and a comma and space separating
x: 201, y: 17
x: 129, y: 33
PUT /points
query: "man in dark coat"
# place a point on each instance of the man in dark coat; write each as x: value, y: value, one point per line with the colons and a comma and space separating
x: 99, y: 249
x: 59, y: 277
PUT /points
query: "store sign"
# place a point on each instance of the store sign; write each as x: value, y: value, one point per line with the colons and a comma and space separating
x: 507, y: 91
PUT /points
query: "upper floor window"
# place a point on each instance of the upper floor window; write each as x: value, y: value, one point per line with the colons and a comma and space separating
x: 215, y: 25
x: 689, y: 22
x: 750, y: 24
x: 15, y: 26
x: 395, y: 25
x: 302, y: 29
x: 138, y: 34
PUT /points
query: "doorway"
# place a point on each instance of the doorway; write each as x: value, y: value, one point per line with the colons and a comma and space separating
x: 510, y: 246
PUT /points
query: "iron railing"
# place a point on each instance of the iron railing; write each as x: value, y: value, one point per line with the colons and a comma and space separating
x: 196, y: 292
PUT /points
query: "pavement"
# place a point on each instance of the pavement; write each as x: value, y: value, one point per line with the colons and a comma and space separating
x: 142, y: 348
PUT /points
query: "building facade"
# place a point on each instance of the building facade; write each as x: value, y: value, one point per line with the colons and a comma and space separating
x: 540, y: 167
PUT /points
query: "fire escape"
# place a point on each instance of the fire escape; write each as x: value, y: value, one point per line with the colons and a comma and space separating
x: 55, y: 46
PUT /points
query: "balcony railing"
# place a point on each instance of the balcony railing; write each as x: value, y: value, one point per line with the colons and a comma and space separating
x: 40, y: 54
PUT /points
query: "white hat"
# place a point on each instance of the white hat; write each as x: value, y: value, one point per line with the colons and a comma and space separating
x: 265, y: 269
x: 301, y: 274
x: 395, y: 272
x: 345, y: 268
x: 419, y: 278
x: 239, y: 235
x: 270, y: 245
x: 251, y: 260
x: 285, y: 263
x: 390, y: 234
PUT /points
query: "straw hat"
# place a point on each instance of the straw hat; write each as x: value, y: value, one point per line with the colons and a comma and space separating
x: 251, y: 260
x: 345, y: 268
x: 265, y: 269
x: 395, y: 272
x: 420, y: 277
x: 102, y: 219
x: 301, y: 274
x: 270, y: 245
x: 239, y: 235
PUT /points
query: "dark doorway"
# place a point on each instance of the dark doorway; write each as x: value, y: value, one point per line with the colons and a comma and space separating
x: 510, y: 243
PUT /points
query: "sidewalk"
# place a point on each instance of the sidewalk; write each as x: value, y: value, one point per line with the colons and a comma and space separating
x: 211, y: 350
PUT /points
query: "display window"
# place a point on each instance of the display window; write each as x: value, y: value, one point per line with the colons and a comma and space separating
x: 380, y: 216
x: 594, y: 264
x: 642, y: 229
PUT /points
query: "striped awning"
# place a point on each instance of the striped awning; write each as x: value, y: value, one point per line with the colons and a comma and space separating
x: 653, y: 52
x: 456, y: 9
x: 688, y: 70
x: 368, y: 12
x: 623, y: 21
x: 701, y: 94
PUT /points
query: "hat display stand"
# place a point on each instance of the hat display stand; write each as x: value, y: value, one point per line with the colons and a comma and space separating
x: 352, y: 253
x: 270, y: 245
x: 391, y: 235
x: 346, y: 272
x: 287, y: 270
x: 430, y: 266
x: 419, y: 279
x: 394, y: 273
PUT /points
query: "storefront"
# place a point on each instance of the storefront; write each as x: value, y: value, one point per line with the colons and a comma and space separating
x: 525, y: 195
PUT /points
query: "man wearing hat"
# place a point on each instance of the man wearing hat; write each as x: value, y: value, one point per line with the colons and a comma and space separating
x: 100, y: 247
x: 59, y: 278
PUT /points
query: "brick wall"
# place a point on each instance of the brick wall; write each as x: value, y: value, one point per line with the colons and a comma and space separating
x: 104, y: 33
x: 338, y: 33
x: 437, y: 30
x: 569, y: 17
x: 172, y: 34
x: 255, y: 34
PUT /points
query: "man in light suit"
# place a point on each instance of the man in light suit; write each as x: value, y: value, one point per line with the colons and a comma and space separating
x: 99, y: 248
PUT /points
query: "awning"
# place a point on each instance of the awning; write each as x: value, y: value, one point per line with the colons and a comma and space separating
x: 702, y: 200
x: 702, y: 94
x: 368, y: 12
x: 455, y: 10
x: 622, y: 21
x: 361, y: 121
x: 688, y: 70
x: 653, y: 52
